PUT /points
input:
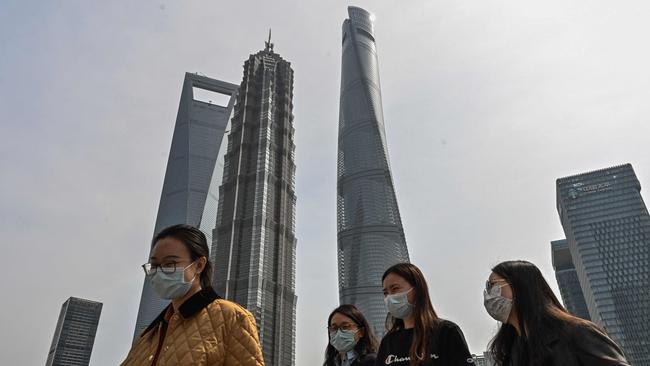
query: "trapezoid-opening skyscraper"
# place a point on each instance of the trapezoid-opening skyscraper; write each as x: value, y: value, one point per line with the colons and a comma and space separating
x: 370, y: 233
x: 190, y: 190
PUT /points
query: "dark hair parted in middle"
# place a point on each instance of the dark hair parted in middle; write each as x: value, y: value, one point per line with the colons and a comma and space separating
x: 366, y: 344
x: 424, y: 315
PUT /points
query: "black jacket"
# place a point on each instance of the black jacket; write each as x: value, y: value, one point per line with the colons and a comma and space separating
x: 366, y: 360
x: 578, y: 345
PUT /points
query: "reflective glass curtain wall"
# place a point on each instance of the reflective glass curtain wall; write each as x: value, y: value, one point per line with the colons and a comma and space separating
x: 254, y: 239
x: 370, y: 233
x: 190, y: 191
x: 607, y: 228
x: 567, y: 280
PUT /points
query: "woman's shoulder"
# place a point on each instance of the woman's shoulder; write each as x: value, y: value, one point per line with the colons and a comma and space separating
x: 592, y: 343
x: 444, y: 326
x: 228, y: 308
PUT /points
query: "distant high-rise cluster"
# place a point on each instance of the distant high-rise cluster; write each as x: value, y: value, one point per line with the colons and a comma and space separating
x: 231, y: 173
x: 607, y: 228
x: 75, y: 331
x: 370, y: 233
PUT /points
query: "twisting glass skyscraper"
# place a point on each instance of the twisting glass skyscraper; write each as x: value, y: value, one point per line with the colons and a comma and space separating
x: 370, y: 233
x: 190, y: 191
x: 254, y: 240
x: 607, y: 229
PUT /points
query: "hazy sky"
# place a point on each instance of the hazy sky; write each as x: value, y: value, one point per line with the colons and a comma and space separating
x: 486, y: 104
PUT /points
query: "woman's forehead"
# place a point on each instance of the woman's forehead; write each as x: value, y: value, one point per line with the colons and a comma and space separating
x: 393, y: 278
x: 494, y: 276
x: 169, y: 247
x: 339, y: 318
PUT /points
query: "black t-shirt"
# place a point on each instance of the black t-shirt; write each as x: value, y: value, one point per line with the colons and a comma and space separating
x: 446, y: 347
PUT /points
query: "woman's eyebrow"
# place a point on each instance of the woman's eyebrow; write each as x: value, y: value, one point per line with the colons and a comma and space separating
x: 166, y: 257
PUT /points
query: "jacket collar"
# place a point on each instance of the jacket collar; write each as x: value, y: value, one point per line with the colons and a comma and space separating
x: 190, y: 307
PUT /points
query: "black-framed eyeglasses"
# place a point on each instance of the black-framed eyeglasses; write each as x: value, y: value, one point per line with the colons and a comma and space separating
x: 167, y: 268
x: 346, y: 326
x: 489, y: 284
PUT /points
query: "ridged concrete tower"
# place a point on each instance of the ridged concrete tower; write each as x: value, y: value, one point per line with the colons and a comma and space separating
x: 254, y: 240
x: 370, y: 233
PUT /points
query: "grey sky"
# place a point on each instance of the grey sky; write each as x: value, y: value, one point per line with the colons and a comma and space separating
x: 486, y: 104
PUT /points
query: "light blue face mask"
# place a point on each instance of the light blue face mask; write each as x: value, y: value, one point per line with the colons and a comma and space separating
x: 343, y: 340
x: 171, y: 286
x: 398, y: 304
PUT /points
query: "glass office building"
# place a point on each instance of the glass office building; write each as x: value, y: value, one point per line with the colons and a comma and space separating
x: 75, y: 333
x: 254, y: 239
x: 370, y: 233
x: 190, y: 192
x: 607, y: 229
x: 567, y: 279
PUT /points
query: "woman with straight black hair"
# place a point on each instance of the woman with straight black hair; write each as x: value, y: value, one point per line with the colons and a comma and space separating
x: 351, y: 340
x: 416, y: 335
x: 536, y: 330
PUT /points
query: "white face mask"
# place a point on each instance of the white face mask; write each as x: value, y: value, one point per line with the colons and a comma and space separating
x: 171, y: 285
x: 398, y: 304
x: 497, y: 306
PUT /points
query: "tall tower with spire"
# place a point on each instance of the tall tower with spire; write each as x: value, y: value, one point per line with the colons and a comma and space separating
x: 370, y: 234
x: 254, y: 240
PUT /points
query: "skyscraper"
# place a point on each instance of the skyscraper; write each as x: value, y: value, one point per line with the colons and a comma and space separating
x: 75, y: 333
x: 607, y: 228
x: 370, y: 233
x: 254, y: 240
x: 567, y: 279
x: 190, y: 191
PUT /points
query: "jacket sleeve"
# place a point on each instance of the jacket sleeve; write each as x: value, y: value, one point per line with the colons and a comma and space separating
x: 243, y: 344
x: 595, y: 348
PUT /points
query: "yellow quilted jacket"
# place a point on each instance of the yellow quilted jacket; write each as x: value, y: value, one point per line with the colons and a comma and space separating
x: 206, y: 331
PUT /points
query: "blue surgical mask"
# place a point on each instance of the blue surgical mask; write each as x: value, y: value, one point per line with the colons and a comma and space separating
x: 398, y: 304
x: 343, y: 340
x: 171, y: 285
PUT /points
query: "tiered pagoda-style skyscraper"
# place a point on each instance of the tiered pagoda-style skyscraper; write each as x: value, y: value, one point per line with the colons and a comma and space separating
x: 254, y: 240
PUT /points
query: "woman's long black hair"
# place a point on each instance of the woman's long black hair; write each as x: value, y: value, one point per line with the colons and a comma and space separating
x: 367, y: 343
x: 539, y: 312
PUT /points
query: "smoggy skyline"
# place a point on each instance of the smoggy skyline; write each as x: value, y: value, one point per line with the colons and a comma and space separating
x: 486, y: 104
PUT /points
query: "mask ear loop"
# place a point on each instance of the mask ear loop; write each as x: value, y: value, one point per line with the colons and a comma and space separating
x: 193, y: 278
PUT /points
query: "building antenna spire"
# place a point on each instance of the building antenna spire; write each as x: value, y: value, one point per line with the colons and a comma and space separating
x: 269, y: 45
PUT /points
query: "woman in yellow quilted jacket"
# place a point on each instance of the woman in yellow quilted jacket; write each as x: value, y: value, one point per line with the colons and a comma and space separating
x: 197, y: 328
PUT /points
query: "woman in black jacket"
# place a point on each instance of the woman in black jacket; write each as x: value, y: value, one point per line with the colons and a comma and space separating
x: 352, y: 342
x: 536, y: 330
